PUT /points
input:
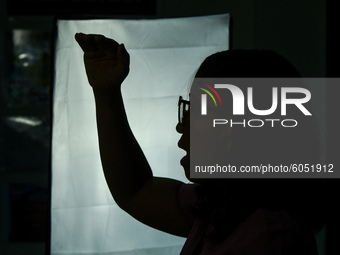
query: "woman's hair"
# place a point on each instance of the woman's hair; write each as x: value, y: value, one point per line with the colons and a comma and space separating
x: 225, y: 203
x: 246, y: 64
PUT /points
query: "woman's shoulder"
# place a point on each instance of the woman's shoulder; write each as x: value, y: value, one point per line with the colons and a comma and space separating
x: 264, y: 232
x: 271, y: 231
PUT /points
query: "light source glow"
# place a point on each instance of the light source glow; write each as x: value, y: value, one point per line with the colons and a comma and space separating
x: 164, y: 55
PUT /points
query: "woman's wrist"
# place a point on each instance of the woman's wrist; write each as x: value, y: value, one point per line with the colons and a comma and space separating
x: 111, y: 93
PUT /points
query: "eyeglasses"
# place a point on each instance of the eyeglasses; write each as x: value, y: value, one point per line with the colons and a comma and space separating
x: 183, y: 108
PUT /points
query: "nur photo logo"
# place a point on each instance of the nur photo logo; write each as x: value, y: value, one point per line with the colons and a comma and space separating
x: 282, y: 97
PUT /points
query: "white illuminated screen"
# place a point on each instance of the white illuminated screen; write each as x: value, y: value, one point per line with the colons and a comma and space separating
x: 165, y: 53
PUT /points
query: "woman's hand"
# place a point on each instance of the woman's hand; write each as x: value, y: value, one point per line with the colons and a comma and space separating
x: 106, y: 61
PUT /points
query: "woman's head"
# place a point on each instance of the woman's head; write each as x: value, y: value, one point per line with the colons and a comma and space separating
x: 257, y: 145
x: 268, y: 143
x: 250, y: 146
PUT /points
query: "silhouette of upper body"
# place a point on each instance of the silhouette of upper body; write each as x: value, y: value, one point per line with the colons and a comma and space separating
x: 218, y: 216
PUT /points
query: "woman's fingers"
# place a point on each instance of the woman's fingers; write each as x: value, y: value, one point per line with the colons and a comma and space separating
x: 105, y: 43
x: 94, y: 42
x: 123, y: 56
x: 86, y: 42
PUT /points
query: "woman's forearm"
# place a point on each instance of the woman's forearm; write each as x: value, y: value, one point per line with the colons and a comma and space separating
x: 124, y: 164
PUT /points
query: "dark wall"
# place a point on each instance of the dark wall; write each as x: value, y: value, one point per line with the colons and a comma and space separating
x: 295, y: 29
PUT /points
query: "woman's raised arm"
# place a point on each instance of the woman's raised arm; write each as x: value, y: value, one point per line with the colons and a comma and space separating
x: 151, y: 200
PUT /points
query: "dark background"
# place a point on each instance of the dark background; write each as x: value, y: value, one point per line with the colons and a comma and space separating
x: 305, y: 32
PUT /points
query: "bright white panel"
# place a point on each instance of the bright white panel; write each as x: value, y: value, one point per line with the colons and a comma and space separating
x: 164, y: 55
